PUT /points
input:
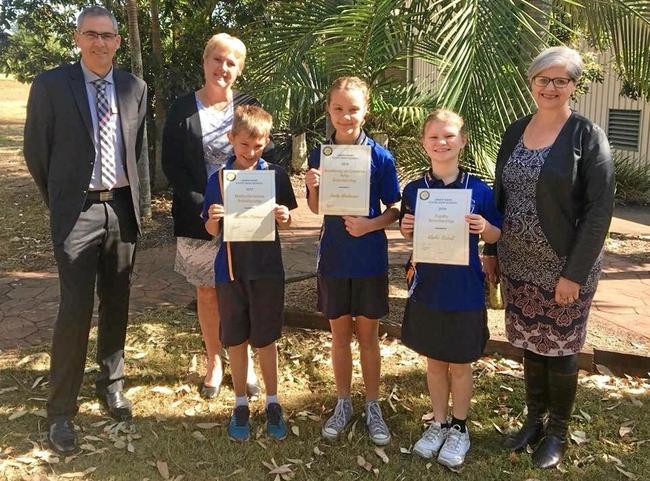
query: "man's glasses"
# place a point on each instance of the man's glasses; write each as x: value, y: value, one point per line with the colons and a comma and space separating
x: 559, y: 82
x: 92, y: 35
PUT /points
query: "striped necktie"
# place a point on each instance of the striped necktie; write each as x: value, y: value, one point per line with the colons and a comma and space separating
x: 106, y: 136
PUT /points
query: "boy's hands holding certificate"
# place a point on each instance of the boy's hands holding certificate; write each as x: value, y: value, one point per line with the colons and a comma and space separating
x: 407, y: 225
x: 477, y: 224
x: 357, y: 226
x: 215, y: 214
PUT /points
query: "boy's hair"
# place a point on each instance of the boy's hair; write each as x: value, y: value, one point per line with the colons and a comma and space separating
x: 253, y: 120
x: 350, y: 83
x: 445, y: 115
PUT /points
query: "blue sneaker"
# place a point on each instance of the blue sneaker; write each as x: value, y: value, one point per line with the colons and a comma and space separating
x: 275, y: 425
x: 239, y: 428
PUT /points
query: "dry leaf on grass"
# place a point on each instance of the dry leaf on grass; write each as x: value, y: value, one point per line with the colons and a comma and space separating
x: 579, y: 437
x: 317, y: 451
x: 627, y: 474
x: 198, y: 436
x: 162, y: 390
x: 79, y: 474
x: 361, y: 461
x: 604, y: 370
x: 625, y: 430
x: 8, y: 389
x: 207, y: 425
x: 295, y: 430
x: 163, y: 469
x: 17, y: 414
x: 382, y: 454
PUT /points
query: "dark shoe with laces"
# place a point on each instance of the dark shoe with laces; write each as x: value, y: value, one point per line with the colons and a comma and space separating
x: 276, y: 427
x: 239, y: 428
x: 117, y: 405
x: 62, y: 438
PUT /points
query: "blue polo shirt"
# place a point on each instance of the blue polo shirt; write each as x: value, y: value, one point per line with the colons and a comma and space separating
x: 341, y: 255
x: 448, y: 287
x: 250, y: 260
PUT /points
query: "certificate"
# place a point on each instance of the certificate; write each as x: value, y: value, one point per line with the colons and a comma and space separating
x: 441, y: 234
x: 248, y: 202
x: 345, y: 180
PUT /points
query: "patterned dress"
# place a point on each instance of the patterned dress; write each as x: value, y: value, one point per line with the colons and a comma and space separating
x: 530, y: 268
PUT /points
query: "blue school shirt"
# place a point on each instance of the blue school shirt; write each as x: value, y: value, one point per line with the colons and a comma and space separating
x: 250, y: 260
x: 448, y: 287
x: 341, y: 255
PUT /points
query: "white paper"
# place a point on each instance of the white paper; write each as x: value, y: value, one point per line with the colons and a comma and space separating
x: 249, y: 200
x: 441, y: 234
x: 345, y: 180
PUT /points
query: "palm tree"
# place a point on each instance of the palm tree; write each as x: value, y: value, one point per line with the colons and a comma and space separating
x: 479, y: 50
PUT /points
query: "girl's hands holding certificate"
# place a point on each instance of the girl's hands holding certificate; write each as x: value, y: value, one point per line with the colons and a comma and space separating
x: 312, y: 179
x: 357, y: 226
x: 281, y: 213
x: 407, y: 225
x: 477, y: 224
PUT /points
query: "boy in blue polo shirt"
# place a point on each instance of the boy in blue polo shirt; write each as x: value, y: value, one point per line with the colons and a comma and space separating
x: 445, y: 318
x: 353, y: 262
x: 250, y: 275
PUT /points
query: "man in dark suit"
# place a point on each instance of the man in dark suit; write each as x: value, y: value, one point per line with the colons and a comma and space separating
x: 83, y: 139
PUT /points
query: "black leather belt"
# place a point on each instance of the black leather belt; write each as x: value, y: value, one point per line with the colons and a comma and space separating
x: 105, y: 195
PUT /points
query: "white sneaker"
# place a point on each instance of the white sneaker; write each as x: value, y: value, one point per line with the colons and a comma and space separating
x: 431, y: 441
x: 377, y: 428
x: 452, y: 454
x: 337, y: 423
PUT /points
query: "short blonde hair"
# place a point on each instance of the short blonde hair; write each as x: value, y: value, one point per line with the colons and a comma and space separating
x: 237, y: 46
x: 252, y: 120
x: 349, y: 83
x: 447, y: 116
x: 557, y: 57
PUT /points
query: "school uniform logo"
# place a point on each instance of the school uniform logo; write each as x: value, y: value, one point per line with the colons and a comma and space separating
x: 327, y: 151
x: 231, y: 176
x: 424, y: 195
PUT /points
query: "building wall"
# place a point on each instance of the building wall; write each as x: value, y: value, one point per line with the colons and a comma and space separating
x: 604, y: 96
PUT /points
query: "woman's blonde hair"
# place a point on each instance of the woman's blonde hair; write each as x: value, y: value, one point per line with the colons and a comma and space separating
x: 349, y: 83
x: 237, y: 46
x: 445, y: 115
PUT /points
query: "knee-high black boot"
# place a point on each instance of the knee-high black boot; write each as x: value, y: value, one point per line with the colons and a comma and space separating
x: 536, y: 382
x: 562, y: 394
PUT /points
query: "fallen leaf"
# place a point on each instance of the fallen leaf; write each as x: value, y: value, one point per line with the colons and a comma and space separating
x: 624, y: 430
x: 613, y: 459
x: 41, y: 413
x: 198, y: 436
x: 636, y: 402
x: 498, y: 428
x: 163, y: 469
x: 295, y: 430
x: 207, y: 425
x: 119, y: 444
x: 579, y: 437
x: 361, y: 461
x: 586, y: 416
x: 317, y: 451
x: 352, y: 430
x: 37, y: 381
x: 8, y: 389
x: 404, y: 450
x: 382, y: 454
x: 604, y: 370
x: 138, y: 355
x: 236, y: 471
x: 17, y: 414
x: 130, y: 448
x: 627, y: 474
x: 295, y: 461
x: 193, y: 364
x: 284, y: 469
x: 428, y: 416
x: 562, y: 469
x: 162, y: 390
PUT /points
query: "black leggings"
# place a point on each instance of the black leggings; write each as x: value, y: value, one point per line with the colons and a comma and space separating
x: 560, y: 364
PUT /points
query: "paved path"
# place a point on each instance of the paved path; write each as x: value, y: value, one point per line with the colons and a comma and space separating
x: 28, y: 300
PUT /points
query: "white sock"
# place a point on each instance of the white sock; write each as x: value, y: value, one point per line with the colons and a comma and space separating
x: 272, y: 399
x: 241, y: 401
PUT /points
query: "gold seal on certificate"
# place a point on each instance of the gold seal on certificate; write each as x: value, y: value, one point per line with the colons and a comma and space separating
x: 248, y: 201
x: 345, y: 180
x: 441, y: 234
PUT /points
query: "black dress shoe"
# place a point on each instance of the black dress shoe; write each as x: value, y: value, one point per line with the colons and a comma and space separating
x: 209, y: 392
x: 61, y: 438
x: 117, y: 405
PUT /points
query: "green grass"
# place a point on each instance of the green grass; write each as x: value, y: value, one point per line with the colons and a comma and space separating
x: 164, y: 359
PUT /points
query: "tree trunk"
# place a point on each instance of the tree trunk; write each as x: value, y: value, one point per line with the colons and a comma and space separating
x: 159, y: 181
x: 138, y: 70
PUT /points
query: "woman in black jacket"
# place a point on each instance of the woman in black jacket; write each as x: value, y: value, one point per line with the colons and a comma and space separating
x: 195, y: 145
x: 554, y: 183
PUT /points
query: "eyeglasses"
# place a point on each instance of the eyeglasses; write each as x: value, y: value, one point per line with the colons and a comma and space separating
x: 92, y: 35
x: 559, y: 82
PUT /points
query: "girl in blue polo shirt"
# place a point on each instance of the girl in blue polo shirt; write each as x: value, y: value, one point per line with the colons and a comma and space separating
x: 353, y: 261
x: 445, y: 318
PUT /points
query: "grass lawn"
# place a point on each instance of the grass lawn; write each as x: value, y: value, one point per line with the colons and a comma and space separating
x: 177, y: 435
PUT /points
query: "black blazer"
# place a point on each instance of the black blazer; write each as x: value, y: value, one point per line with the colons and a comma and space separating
x: 58, y: 144
x: 184, y: 164
x: 575, y: 191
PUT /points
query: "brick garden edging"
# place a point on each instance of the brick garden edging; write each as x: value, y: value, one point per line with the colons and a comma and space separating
x: 618, y: 363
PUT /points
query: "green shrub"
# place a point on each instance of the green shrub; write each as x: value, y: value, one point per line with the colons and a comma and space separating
x: 632, y: 179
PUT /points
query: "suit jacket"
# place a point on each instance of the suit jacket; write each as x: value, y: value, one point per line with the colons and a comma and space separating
x: 58, y: 144
x: 575, y: 191
x: 183, y: 162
